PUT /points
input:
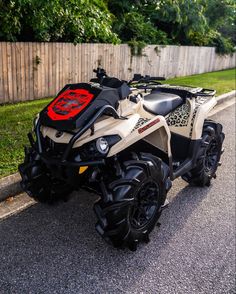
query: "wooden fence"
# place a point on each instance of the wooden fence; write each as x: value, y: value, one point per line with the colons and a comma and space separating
x: 34, y: 70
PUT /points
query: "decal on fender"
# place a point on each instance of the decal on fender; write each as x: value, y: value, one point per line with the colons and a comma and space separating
x: 149, y: 125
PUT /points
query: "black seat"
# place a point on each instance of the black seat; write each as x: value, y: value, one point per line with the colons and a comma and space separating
x: 160, y: 103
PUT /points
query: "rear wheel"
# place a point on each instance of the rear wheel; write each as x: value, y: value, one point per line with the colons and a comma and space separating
x: 208, y: 161
x: 134, y: 204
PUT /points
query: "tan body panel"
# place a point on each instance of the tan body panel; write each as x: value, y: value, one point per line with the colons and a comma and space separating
x: 127, y: 129
x: 201, y: 114
x: 157, y: 130
x: 186, y: 120
x: 106, y: 126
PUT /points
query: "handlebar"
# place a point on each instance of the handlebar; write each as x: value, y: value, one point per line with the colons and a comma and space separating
x: 157, y: 78
x: 145, y: 79
x: 138, y: 81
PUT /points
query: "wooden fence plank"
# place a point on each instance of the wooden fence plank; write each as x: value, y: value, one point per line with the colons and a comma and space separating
x: 61, y: 65
x: 9, y: 71
x: 1, y: 75
x: 53, y: 62
x: 71, y: 64
x: 25, y: 66
x: 22, y: 72
x: 38, y: 66
x: 79, y: 64
x: 13, y: 68
x: 83, y: 63
x: 5, y: 73
x: 35, y: 71
x: 17, y: 81
x: 49, y: 69
x: 31, y: 71
x: 57, y: 68
x: 43, y: 68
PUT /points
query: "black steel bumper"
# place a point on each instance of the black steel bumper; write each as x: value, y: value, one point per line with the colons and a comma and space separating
x: 66, y: 163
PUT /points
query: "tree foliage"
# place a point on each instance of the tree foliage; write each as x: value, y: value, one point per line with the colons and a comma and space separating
x: 182, y: 22
x: 56, y: 20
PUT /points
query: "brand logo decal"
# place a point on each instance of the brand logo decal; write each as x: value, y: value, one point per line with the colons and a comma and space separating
x: 69, y: 103
x: 149, y: 125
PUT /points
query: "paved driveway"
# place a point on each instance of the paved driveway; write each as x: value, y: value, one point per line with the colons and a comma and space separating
x: 56, y: 250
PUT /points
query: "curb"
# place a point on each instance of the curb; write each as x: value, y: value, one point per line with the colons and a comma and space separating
x: 10, y: 185
x: 14, y: 205
x: 225, y: 97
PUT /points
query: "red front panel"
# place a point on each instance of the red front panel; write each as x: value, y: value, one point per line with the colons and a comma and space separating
x: 69, y: 103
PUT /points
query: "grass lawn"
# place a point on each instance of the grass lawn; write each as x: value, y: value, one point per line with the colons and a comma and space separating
x: 221, y: 81
x: 16, y: 120
x: 15, y: 123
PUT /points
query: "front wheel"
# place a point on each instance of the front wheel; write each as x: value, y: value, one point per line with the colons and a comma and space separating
x: 135, y: 202
x: 37, y: 181
x: 208, y: 161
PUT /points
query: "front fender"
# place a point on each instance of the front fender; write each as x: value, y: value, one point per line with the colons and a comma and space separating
x: 155, y: 131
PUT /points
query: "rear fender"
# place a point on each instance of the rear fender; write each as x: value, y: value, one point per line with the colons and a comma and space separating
x: 203, y: 106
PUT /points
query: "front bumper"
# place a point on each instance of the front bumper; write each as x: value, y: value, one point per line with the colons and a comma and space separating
x: 49, y: 159
x: 40, y: 169
x: 67, y: 163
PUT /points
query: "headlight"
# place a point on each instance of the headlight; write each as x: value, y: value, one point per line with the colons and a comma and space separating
x: 98, y: 148
x: 102, y: 145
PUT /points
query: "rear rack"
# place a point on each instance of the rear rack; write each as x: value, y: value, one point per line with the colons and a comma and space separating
x: 183, y: 91
x: 206, y: 92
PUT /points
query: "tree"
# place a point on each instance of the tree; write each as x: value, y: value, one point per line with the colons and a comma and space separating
x: 183, y: 22
x: 221, y: 17
x: 56, y: 20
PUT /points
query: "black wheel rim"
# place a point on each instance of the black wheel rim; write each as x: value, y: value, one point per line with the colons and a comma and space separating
x: 145, y: 205
x: 211, y: 158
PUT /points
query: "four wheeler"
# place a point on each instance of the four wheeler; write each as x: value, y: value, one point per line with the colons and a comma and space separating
x: 127, y: 141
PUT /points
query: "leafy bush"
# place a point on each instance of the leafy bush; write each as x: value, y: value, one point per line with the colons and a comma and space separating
x: 223, y: 45
x: 134, y: 29
x: 181, y: 22
x: 56, y: 20
x: 134, y: 26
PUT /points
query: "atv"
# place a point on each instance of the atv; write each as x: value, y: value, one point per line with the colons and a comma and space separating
x: 127, y: 141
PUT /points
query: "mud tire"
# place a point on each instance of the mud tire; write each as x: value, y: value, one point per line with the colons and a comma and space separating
x: 208, y: 161
x: 116, y: 217
x: 38, y: 183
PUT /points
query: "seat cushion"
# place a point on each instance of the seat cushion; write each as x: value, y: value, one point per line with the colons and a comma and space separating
x: 160, y: 103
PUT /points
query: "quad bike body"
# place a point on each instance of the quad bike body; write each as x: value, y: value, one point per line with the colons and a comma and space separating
x: 127, y: 141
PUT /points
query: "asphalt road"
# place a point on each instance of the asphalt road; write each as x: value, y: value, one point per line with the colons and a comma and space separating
x: 56, y: 249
